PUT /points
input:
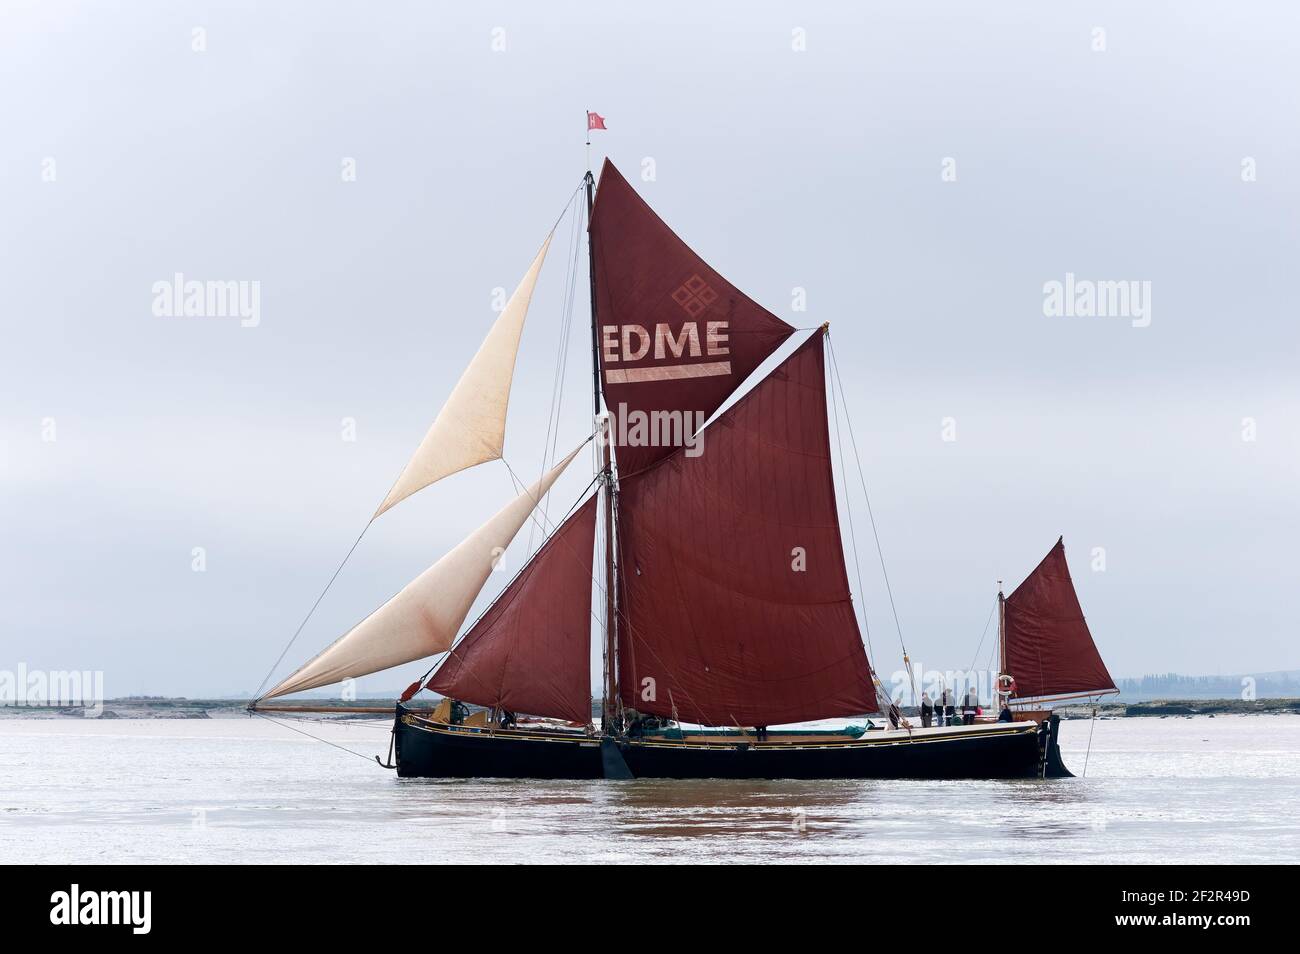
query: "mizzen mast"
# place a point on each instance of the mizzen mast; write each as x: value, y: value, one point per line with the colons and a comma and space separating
x: 1003, y: 694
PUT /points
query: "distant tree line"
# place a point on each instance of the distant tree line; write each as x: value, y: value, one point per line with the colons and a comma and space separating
x: 1171, y: 685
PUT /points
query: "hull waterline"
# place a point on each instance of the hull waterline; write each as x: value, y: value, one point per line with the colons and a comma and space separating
x: 427, y: 749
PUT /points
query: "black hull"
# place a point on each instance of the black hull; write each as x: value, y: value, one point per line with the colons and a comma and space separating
x: 978, y: 756
x: 425, y: 749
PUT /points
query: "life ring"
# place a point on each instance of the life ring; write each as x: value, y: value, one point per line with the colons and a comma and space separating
x: 1006, y: 684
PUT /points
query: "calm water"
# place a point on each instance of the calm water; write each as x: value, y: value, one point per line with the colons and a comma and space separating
x: 244, y: 790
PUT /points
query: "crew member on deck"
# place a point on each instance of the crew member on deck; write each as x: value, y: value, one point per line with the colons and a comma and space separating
x: 927, y: 710
x: 458, y: 712
x: 969, y: 705
x: 1005, y: 714
x: 949, y: 714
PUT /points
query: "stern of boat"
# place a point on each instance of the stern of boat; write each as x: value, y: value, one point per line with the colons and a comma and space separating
x: 1050, y: 734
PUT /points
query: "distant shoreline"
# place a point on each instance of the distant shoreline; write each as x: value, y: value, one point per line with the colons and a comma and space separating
x: 1163, y: 708
x: 181, y: 708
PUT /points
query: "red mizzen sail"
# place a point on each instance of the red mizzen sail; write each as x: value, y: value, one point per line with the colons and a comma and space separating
x: 675, y: 336
x: 737, y: 605
x: 530, y: 652
x: 1049, y: 649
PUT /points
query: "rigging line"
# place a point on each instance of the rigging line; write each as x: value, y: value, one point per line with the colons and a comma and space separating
x: 863, y: 479
x: 848, y: 506
x: 580, y: 217
x: 620, y: 612
x: 258, y: 694
x: 633, y: 633
x: 1038, y: 651
x: 984, y: 635
x: 452, y: 651
x: 582, y: 498
x: 298, y: 632
x: 591, y: 612
x: 1092, y: 724
x: 988, y: 667
x: 316, y: 738
x: 568, y: 202
x: 532, y: 514
x: 361, y: 722
x: 557, y: 383
x: 566, y: 321
x: 558, y: 219
x: 561, y: 362
x: 550, y: 413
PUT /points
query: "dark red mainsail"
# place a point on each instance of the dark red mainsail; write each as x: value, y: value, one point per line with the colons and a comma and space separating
x: 530, y: 652
x: 675, y: 337
x: 1050, y: 651
x: 737, y: 605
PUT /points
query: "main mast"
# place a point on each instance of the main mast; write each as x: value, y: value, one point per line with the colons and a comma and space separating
x: 609, y: 703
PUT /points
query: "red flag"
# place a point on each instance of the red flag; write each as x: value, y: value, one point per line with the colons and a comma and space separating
x: 595, y: 121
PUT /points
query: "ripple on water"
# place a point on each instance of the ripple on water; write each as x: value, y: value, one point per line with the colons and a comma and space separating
x: 1158, y: 790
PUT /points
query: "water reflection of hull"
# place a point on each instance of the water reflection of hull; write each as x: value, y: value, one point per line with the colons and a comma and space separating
x: 428, y: 749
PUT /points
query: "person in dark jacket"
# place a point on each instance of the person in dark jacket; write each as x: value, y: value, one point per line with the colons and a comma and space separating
x: 949, y: 709
x: 927, y: 710
x: 459, y: 712
x: 969, y: 706
x: 1005, y: 714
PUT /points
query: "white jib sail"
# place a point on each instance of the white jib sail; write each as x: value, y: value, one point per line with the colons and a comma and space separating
x: 424, y: 618
x: 471, y: 427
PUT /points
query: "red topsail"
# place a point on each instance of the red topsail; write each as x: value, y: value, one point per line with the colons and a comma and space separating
x: 737, y: 604
x: 676, y: 338
x: 530, y: 650
x: 1049, y: 649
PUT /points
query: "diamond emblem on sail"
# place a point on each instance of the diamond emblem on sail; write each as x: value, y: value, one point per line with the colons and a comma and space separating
x: 695, y: 296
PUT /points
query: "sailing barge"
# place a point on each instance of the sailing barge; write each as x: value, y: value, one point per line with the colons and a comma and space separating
x: 715, y: 553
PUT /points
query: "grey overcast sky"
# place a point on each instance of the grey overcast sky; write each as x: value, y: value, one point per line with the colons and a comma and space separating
x: 127, y: 155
